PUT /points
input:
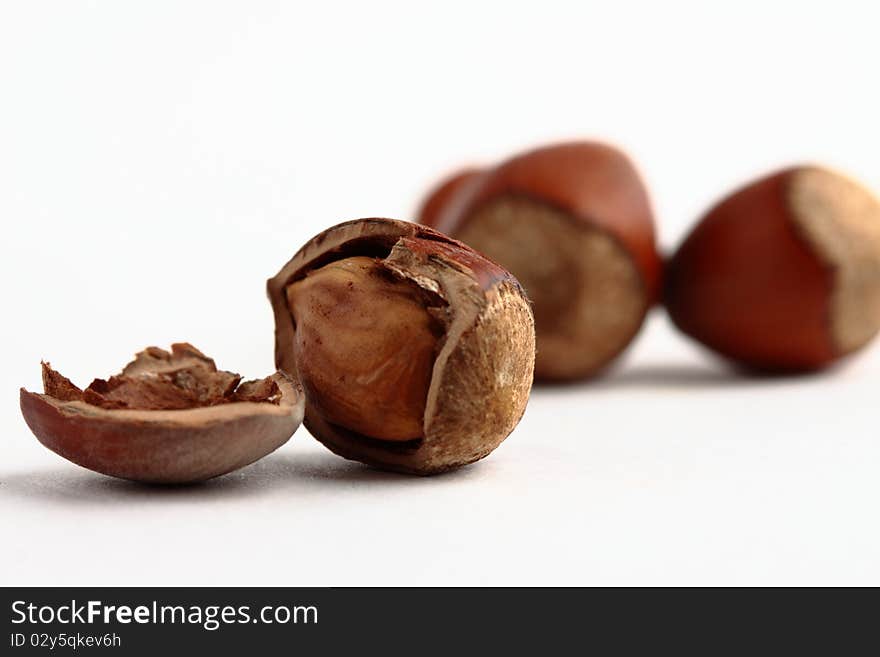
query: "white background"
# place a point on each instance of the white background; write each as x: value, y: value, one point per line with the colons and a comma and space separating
x: 160, y: 160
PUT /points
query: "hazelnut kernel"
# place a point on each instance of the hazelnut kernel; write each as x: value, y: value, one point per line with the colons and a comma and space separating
x: 365, y: 347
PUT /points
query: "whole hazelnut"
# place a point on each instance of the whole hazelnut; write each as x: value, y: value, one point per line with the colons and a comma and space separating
x: 168, y: 417
x: 573, y: 223
x: 784, y: 274
x: 415, y: 352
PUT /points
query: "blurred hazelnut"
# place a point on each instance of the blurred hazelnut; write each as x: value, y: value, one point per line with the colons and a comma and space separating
x: 784, y: 274
x: 573, y: 223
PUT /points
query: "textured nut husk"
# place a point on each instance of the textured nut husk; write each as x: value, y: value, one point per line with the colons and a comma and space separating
x: 587, y: 205
x: 784, y: 274
x: 165, y: 446
x: 483, y: 372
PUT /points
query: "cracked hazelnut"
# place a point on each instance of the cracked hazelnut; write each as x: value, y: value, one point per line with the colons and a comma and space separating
x: 168, y: 417
x: 415, y: 353
x: 784, y: 274
x: 573, y: 223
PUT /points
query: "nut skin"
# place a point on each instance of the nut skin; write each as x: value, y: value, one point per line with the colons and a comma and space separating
x: 483, y: 371
x: 386, y: 356
x: 594, y: 185
x: 438, y: 198
x: 747, y: 284
x: 164, y: 446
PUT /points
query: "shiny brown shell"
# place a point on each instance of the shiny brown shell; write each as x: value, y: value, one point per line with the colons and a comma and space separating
x: 163, y: 445
x: 783, y: 275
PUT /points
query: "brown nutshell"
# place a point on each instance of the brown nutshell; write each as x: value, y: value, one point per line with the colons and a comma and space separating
x: 168, y: 417
x: 416, y: 354
x: 448, y: 189
x: 574, y: 224
x: 784, y: 274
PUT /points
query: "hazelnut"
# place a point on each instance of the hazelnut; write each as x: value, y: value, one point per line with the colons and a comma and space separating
x: 168, y: 417
x: 784, y: 274
x: 358, y: 324
x: 416, y: 353
x: 573, y: 223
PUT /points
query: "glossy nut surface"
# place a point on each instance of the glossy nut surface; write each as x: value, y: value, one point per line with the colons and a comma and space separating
x: 784, y: 274
x: 437, y: 199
